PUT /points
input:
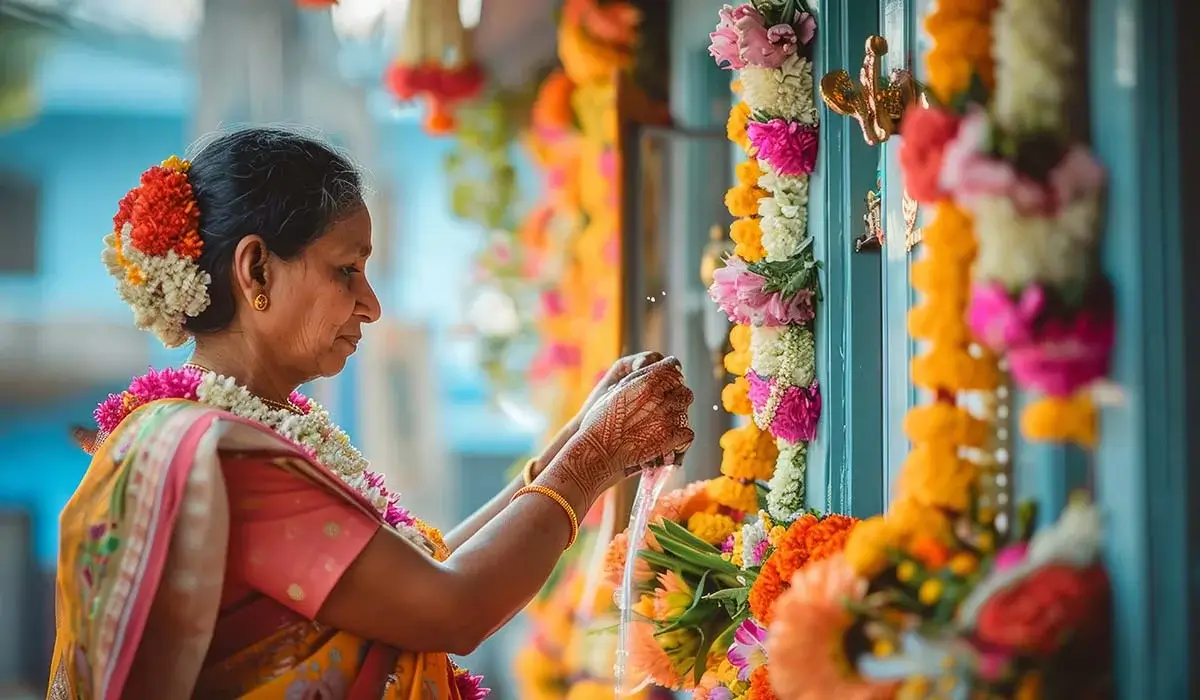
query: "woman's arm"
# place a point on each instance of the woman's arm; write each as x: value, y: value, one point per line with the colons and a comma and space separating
x: 467, y: 529
x: 620, y: 369
x: 395, y: 594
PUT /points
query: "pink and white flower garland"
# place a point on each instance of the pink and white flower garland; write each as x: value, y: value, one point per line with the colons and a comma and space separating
x: 768, y: 44
x: 1037, y: 201
x: 311, y: 429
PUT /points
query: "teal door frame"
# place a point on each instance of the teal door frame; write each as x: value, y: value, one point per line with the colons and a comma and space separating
x: 1144, y: 466
x: 845, y: 472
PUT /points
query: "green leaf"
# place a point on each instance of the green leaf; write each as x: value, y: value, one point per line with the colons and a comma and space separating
x: 668, y: 562
x: 706, y: 562
x: 677, y: 531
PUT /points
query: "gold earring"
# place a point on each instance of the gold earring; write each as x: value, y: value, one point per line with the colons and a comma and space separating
x: 261, y: 302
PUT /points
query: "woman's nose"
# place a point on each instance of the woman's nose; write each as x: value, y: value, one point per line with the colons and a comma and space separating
x: 368, y: 304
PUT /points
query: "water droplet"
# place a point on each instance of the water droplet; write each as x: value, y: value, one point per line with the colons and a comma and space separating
x: 715, y: 407
x: 664, y: 293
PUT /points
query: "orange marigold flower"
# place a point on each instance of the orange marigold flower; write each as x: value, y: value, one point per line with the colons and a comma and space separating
x: 742, y: 199
x: 807, y: 540
x: 735, y: 128
x: 930, y: 552
x: 748, y: 172
x: 760, y: 685
x: 162, y: 214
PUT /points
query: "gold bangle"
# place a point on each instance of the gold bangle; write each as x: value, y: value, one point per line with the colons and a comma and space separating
x: 562, y: 502
x: 527, y: 474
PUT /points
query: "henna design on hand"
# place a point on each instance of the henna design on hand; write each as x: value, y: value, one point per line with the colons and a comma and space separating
x: 641, y: 420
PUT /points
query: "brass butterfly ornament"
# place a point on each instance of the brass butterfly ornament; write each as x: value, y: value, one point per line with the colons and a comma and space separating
x: 876, y: 104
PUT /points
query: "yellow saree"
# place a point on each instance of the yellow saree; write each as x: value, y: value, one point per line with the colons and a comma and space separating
x: 142, y: 566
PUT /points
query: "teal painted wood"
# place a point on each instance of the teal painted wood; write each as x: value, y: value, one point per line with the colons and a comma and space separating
x: 1142, y: 479
x: 900, y: 18
x: 845, y: 472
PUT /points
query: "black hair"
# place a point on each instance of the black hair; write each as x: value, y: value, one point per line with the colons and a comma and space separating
x: 282, y: 185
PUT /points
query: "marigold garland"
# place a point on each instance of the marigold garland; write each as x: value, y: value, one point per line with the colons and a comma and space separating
x: 809, y: 539
x: 935, y: 475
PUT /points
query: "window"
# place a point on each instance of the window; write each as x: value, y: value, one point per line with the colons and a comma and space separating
x: 19, y: 202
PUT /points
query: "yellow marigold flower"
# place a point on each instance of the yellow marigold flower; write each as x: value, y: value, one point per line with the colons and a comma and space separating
x: 867, y: 546
x: 1054, y: 419
x: 735, y: 556
x: 713, y: 528
x: 935, y: 476
x: 911, y: 520
x: 734, y: 494
x: 930, y: 592
x: 883, y: 647
x: 776, y: 534
x: 735, y: 397
x: 914, y: 688
x: 742, y: 199
x: 749, y: 453
x: 963, y: 564
x: 747, y: 235
x: 748, y: 172
x: 737, y: 362
x: 739, y: 337
x: 906, y: 570
x: 943, y: 421
x: 735, y: 128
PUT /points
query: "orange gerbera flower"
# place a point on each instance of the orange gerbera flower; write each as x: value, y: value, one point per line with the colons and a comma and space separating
x: 806, y: 642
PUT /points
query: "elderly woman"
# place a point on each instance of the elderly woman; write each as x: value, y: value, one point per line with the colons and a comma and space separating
x: 228, y: 541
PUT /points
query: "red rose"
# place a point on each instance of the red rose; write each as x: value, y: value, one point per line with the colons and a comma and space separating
x: 926, y: 131
x: 1040, y: 613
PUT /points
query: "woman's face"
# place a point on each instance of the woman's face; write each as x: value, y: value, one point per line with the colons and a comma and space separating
x: 319, y: 301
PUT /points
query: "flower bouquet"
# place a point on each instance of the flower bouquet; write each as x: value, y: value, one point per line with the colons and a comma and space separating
x: 708, y: 581
x: 948, y: 609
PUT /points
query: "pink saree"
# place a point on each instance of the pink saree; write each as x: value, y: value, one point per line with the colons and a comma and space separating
x: 195, y: 554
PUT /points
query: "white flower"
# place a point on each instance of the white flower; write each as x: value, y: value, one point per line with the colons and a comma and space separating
x: 754, y: 533
x: 784, y: 352
x: 785, y: 500
x: 163, y: 290
x: 494, y: 314
x: 786, y: 92
x: 1018, y: 250
x: 1034, y: 59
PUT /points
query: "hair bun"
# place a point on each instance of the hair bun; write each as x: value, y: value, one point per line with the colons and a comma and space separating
x: 153, y: 251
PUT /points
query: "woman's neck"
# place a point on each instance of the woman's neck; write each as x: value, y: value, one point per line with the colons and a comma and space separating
x: 250, y: 369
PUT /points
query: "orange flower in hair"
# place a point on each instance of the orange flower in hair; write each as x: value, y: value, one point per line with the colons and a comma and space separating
x: 162, y: 212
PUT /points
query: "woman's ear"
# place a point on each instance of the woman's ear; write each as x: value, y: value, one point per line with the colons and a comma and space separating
x: 250, y: 267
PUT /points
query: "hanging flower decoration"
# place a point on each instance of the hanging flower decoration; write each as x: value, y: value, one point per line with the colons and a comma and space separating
x: 435, y: 63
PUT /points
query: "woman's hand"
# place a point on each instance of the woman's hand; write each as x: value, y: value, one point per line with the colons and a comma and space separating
x: 642, y: 420
x: 621, y: 368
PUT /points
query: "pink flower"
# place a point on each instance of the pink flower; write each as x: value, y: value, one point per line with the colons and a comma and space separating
x: 470, y: 686
x: 797, y: 415
x: 155, y: 385
x: 1068, y: 354
x: 749, y: 648
x: 741, y: 294
x: 553, y: 303
x: 790, y: 148
x: 970, y: 172
x: 1000, y: 322
x: 1011, y: 556
x: 797, y: 412
x: 743, y: 39
x: 1077, y: 175
x: 728, y: 40
x: 806, y: 27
